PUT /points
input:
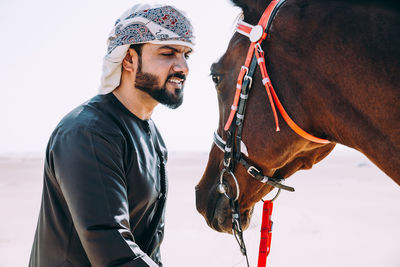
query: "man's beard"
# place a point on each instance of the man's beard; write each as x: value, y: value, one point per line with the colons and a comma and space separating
x: 149, y: 83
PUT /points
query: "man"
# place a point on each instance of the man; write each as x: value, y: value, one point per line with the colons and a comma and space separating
x: 104, y: 178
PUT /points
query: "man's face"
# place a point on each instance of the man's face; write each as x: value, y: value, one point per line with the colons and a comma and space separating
x: 162, y: 71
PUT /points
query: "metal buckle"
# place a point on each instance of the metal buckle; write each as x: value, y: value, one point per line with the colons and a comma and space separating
x: 252, y: 168
x: 247, y: 77
x: 227, y: 162
x: 245, y: 68
x: 258, y: 46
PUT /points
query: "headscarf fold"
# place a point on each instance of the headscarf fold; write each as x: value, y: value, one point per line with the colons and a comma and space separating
x: 142, y: 24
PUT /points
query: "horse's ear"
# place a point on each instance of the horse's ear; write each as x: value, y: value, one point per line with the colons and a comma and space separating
x: 243, y: 4
x: 252, y: 9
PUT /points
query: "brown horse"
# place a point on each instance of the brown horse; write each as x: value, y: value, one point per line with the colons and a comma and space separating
x: 335, y: 66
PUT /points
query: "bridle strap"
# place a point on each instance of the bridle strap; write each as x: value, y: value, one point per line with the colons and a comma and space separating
x: 252, y: 170
x: 242, y: 106
x: 258, y: 175
x: 251, y: 32
x: 237, y: 230
x: 220, y: 143
x: 271, y: 92
x: 242, y: 74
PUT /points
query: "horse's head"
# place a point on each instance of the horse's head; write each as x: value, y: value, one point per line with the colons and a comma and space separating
x: 277, y: 154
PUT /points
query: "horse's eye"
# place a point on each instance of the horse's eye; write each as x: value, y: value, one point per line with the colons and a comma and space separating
x: 216, y: 79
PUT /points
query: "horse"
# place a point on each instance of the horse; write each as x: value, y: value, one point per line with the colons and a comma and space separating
x: 335, y: 67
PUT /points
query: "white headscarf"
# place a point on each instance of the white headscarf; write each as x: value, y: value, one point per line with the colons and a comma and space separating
x: 146, y: 23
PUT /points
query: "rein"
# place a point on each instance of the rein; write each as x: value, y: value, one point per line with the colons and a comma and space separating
x: 234, y: 148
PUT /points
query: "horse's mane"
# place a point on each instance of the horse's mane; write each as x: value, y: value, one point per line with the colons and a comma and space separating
x: 252, y: 9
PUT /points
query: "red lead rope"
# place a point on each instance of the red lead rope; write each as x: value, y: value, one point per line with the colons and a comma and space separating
x: 266, y: 233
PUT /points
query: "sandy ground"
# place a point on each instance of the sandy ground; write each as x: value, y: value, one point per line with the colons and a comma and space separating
x: 345, y: 212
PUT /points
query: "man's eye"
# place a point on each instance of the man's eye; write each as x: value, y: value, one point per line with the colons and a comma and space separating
x: 167, y: 54
x: 216, y: 79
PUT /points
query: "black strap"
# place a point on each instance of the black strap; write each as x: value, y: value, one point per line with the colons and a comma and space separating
x: 271, y: 18
x: 242, y: 105
x: 237, y: 227
x: 257, y: 174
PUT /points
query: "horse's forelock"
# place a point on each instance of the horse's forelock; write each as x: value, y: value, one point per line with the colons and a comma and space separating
x: 252, y: 9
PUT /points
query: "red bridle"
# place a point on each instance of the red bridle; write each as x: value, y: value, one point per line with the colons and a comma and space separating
x: 257, y: 35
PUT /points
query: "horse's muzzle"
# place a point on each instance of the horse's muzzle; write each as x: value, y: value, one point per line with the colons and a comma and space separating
x: 216, y: 210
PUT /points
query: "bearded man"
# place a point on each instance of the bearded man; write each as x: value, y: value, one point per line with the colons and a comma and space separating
x: 105, y: 184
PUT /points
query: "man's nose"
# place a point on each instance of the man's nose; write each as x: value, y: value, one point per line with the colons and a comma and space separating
x: 181, y: 65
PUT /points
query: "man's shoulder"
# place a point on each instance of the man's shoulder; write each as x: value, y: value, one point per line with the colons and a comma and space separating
x: 96, y: 115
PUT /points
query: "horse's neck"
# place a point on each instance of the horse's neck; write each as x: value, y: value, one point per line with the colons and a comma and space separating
x: 345, y: 73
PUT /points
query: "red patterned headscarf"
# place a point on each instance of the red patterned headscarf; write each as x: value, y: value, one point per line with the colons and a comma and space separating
x: 142, y: 24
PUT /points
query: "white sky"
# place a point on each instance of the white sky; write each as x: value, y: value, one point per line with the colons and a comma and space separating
x: 51, y: 58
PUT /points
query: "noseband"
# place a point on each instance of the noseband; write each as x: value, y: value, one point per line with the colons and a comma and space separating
x: 233, y: 147
x: 238, y: 157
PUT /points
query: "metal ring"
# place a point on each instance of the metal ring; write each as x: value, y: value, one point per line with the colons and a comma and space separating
x: 221, y: 181
x: 275, y: 197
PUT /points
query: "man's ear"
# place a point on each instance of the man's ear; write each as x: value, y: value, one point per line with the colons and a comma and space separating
x: 130, y: 61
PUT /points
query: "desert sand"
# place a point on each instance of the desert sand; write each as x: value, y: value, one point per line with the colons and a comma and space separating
x: 345, y: 212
